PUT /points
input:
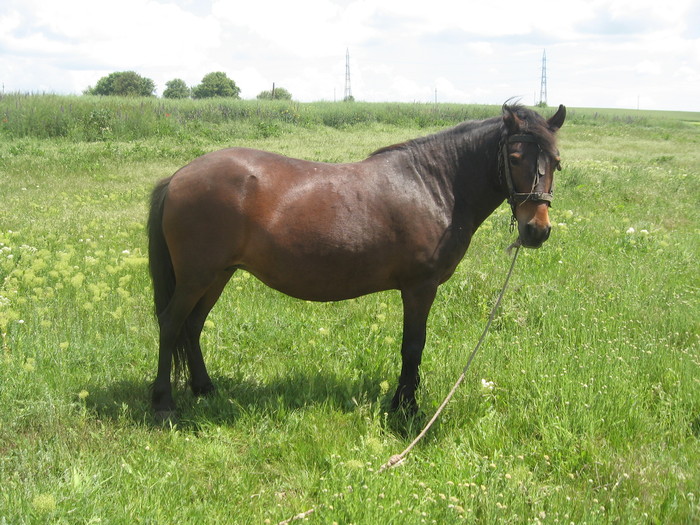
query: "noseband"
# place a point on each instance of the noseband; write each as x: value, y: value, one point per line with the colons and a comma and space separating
x: 538, y: 193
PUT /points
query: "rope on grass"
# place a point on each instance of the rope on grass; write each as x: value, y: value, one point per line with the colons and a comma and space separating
x: 397, y: 459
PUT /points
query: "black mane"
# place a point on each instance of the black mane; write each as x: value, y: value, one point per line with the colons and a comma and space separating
x: 531, y: 122
x: 446, y: 135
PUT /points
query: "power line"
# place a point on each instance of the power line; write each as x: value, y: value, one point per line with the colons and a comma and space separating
x: 348, y: 91
x: 543, y: 80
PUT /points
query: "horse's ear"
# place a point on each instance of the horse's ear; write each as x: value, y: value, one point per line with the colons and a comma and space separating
x: 513, y: 123
x: 557, y: 120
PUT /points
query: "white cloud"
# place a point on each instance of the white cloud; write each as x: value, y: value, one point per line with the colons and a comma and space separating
x: 314, y: 28
x: 600, y: 52
x: 647, y: 67
x: 446, y: 90
x: 148, y: 37
x: 250, y: 80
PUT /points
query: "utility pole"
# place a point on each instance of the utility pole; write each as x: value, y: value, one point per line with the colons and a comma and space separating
x: 543, y: 80
x: 348, y: 91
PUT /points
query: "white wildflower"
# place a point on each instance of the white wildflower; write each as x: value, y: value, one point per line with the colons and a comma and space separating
x: 487, y: 386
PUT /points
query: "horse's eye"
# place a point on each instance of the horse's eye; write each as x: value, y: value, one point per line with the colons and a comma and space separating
x: 515, y: 158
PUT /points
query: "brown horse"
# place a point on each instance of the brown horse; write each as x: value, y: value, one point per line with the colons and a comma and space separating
x: 400, y: 219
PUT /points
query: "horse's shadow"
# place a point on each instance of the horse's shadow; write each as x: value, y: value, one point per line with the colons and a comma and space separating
x: 236, y: 398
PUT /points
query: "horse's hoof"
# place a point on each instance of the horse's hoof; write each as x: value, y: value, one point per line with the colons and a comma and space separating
x: 409, y: 410
x: 407, y: 406
x: 165, y: 417
x: 203, y: 390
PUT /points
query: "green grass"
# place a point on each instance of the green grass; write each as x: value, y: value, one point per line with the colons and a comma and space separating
x: 595, y: 356
x: 87, y: 118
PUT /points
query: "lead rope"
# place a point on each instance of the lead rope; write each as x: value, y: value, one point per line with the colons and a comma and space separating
x: 397, y: 459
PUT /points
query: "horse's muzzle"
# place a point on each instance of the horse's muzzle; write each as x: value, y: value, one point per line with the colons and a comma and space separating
x: 534, y: 226
x: 533, y: 235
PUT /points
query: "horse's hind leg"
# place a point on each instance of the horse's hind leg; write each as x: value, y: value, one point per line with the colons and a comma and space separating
x: 171, y: 322
x: 200, y: 382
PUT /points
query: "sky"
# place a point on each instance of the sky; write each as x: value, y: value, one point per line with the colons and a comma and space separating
x: 599, y: 53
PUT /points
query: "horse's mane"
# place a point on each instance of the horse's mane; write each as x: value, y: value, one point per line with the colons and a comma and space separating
x: 531, y: 122
x: 447, y: 135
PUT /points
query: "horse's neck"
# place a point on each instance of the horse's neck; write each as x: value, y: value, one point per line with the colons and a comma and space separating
x: 463, y: 166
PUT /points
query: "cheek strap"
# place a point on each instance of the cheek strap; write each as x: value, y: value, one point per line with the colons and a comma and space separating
x: 535, y: 194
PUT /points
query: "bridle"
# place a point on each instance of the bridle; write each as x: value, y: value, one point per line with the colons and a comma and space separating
x: 538, y: 193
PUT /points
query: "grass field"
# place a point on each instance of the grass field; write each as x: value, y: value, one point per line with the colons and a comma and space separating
x: 594, y: 411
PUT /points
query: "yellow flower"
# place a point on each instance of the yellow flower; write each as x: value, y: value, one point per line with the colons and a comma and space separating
x: 30, y: 364
x: 354, y: 464
x: 44, y: 503
x: 77, y: 280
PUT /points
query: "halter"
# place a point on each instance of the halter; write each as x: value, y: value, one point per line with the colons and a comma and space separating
x: 537, y: 193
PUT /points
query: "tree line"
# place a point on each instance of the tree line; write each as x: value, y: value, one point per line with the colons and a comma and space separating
x: 215, y: 84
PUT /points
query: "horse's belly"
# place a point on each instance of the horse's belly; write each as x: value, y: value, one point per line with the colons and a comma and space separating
x: 323, y: 279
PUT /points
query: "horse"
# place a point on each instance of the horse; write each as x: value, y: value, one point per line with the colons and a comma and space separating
x: 402, y: 219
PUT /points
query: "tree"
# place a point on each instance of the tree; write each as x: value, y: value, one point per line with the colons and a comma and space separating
x: 216, y: 84
x: 176, y: 88
x: 278, y: 94
x: 124, y: 84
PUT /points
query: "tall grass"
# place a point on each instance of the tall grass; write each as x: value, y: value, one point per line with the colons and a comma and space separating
x: 88, y: 118
x: 102, y: 118
x: 594, y: 412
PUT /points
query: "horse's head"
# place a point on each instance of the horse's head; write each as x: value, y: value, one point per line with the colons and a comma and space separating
x: 529, y: 158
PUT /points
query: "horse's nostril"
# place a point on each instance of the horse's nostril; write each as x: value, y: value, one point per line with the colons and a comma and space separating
x: 535, y: 234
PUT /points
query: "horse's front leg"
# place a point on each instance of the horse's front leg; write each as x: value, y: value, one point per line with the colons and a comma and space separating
x: 416, y: 307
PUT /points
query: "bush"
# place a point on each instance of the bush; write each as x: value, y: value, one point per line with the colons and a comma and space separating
x: 216, y: 84
x: 123, y: 84
x: 176, y: 88
x: 278, y: 94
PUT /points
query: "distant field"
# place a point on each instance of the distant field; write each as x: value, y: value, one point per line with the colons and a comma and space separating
x: 595, y: 355
x: 653, y: 115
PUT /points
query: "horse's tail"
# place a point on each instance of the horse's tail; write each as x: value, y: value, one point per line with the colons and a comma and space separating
x: 161, y: 265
